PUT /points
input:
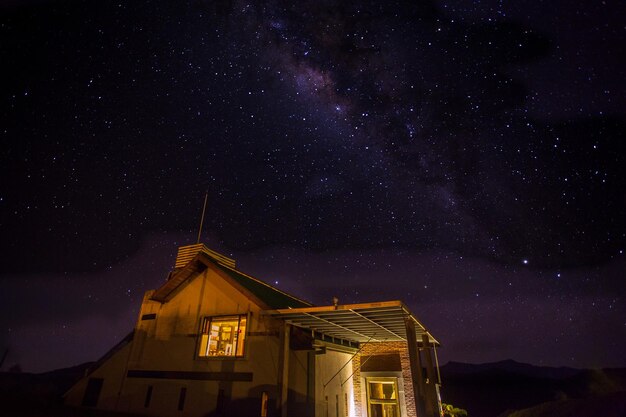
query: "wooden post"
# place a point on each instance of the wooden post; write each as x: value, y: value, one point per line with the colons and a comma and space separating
x: 264, y: 404
x: 310, y: 384
x: 430, y: 392
x: 416, y: 367
x: 283, y: 371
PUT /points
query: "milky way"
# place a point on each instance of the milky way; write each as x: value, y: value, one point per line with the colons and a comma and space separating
x: 482, y: 142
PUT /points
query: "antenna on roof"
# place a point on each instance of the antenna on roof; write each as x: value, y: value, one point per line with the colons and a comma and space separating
x: 202, y: 218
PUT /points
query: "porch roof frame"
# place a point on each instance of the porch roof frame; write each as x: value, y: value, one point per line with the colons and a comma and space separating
x: 376, y: 322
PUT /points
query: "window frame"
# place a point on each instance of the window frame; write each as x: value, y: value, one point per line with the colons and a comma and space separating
x: 383, y: 380
x: 206, y: 322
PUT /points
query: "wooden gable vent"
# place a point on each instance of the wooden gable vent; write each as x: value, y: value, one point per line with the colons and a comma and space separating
x: 187, y: 253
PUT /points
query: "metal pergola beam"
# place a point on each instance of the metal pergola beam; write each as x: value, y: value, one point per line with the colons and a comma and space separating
x: 356, y: 322
x: 384, y: 328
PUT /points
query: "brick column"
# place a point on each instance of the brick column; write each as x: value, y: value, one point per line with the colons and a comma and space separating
x: 379, y: 348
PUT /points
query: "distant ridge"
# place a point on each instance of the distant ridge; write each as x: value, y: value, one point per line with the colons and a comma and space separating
x: 509, y: 366
x: 25, y: 394
x: 72, y: 371
x: 605, y: 405
x: 500, y: 388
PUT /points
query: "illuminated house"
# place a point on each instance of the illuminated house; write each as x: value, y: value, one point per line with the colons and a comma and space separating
x: 213, y: 341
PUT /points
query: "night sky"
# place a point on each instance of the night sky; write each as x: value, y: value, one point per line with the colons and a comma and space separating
x: 466, y: 157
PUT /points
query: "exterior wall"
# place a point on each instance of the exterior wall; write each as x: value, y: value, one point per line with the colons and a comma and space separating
x: 111, y: 372
x: 301, y: 372
x: 405, y: 385
x: 169, y: 341
x: 333, y: 399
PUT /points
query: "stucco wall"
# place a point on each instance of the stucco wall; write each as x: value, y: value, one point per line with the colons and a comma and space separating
x: 111, y: 372
x: 331, y: 395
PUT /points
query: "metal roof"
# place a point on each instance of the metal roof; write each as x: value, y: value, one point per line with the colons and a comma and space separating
x: 203, y: 258
x: 375, y: 322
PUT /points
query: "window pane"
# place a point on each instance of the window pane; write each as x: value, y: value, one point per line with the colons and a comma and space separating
x: 382, y: 391
x: 376, y: 410
x: 391, y: 410
x: 223, y: 336
x: 384, y: 410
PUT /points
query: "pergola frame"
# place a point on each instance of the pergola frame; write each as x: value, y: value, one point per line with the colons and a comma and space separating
x: 377, y: 322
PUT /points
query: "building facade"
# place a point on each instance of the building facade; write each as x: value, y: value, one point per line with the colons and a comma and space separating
x: 213, y: 341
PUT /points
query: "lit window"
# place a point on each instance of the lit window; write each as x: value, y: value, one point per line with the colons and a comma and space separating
x: 382, y: 396
x: 223, y: 336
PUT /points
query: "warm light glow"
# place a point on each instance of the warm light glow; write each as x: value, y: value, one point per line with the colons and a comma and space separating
x: 351, y: 405
x: 382, y: 397
x: 223, y: 336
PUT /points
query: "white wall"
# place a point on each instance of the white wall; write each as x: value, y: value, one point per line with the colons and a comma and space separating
x: 330, y: 394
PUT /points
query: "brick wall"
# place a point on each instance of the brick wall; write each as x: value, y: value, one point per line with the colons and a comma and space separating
x: 377, y: 349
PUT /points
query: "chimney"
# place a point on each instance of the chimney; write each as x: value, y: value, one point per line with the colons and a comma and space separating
x: 187, y: 253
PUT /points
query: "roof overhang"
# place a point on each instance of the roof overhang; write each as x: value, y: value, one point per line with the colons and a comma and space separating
x: 368, y: 322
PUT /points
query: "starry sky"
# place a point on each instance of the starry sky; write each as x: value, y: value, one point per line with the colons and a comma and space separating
x: 466, y: 157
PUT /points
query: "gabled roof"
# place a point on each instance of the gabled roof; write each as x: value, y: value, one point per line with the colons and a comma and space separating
x: 270, y: 296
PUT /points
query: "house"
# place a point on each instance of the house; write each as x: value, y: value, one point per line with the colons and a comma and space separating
x: 213, y: 341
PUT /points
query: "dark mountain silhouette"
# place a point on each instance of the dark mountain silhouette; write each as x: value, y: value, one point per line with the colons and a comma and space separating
x: 500, y: 388
x: 37, y: 395
x: 510, y: 366
x: 605, y: 405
